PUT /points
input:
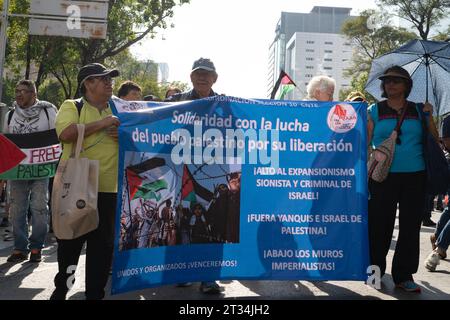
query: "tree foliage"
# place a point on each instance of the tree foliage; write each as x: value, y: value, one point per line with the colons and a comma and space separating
x: 144, y: 73
x: 56, y: 59
x: 373, y: 36
x: 423, y: 14
x: 358, y: 83
x: 443, y: 35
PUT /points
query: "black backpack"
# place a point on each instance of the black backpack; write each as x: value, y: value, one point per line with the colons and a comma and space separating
x: 438, y: 174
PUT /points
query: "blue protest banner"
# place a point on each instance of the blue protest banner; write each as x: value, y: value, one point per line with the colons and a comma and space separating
x: 226, y: 188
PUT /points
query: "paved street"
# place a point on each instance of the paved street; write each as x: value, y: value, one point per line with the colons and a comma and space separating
x: 27, y: 281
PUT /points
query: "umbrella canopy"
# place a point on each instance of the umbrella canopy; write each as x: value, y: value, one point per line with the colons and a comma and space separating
x: 428, y: 63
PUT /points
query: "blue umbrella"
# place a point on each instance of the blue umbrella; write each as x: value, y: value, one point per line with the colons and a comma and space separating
x: 428, y: 63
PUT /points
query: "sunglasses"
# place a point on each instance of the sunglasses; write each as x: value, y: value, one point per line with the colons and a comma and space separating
x: 393, y: 80
x: 22, y: 91
x: 104, y: 79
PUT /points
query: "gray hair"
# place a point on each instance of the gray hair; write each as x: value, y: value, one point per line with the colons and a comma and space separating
x: 321, y: 83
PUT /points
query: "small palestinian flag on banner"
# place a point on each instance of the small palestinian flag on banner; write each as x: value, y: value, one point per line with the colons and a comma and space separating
x: 190, y: 188
x: 11, y: 154
x: 151, y: 190
x: 283, y: 86
x: 42, y: 152
x: 151, y: 180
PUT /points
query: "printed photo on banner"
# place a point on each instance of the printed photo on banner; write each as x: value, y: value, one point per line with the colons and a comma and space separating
x: 164, y: 204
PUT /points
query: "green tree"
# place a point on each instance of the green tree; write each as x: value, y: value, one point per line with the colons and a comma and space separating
x: 373, y: 35
x: 51, y: 91
x: 175, y: 84
x: 358, y: 83
x: 423, y: 14
x: 443, y: 35
x: 144, y: 73
x: 129, y: 21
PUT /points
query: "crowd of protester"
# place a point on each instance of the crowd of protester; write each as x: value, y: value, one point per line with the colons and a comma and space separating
x: 27, y: 201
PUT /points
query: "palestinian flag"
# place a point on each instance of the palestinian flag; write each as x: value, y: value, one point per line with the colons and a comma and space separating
x: 151, y: 190
x: 42, y: 152
x: 190, y: 188
x: 150, y: 179
x: 11, y: 154
x: 134, y: 181
x: 283, y: 86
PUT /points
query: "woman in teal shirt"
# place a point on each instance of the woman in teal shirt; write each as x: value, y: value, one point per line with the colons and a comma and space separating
x: 405, y: 184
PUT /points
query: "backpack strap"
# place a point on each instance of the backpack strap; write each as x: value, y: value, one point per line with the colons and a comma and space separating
x: 79, y: 103
x: 10, y: 115
x: 46, y: 113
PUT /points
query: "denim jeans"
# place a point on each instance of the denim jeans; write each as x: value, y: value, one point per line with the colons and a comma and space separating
x: 443, y: 230
x: 29, y: 195
x: 443, y: 227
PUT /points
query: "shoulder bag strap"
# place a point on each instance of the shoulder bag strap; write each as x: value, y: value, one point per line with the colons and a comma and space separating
x: 402, y: 118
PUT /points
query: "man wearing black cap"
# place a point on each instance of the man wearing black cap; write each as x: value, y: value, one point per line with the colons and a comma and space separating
x: 203, y: 77
x: 100, y: 143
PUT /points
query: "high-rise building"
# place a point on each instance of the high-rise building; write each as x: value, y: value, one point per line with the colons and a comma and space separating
x: 310, y: 44
x: 163, y: 72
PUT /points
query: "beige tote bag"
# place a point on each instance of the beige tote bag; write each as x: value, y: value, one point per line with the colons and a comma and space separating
x: 74, y: 195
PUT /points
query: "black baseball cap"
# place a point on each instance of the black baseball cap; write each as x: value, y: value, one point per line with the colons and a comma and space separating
x: 204, y: 64
x: 95, y: 70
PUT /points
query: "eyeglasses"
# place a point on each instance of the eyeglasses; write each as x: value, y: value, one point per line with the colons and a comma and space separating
x: 104, y: 79
x: 22, y: 91
x: 393, y: 80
